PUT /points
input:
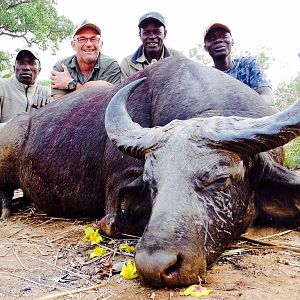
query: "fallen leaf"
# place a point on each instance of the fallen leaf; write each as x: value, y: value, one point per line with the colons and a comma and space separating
x: 197, y: 291
x: 126, y: 247
x: 129, y: 270
x: 92, y: 235
x: 98, y: 251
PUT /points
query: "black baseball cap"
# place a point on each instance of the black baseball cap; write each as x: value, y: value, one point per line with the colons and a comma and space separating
x: 154, y: 16
x: 23, y: 52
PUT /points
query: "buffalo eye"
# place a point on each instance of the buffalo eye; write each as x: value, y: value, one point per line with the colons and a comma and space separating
x: 221, y: 180
x: 221, y: 183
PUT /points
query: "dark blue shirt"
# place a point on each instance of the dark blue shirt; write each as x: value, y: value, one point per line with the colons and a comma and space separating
x: 249, y: 71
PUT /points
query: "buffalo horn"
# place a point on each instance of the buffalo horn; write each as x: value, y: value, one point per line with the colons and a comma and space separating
x: 251, y: 136
x: 129, y: 136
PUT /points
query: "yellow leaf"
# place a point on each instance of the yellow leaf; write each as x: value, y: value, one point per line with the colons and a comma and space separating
x: 98, y: 251
x: 197, y: 291
x: 126, y: 247
x: 129, y: 270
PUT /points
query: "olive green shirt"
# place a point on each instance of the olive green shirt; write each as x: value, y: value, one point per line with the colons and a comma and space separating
x: 106, y: 68
x: 138, y: 61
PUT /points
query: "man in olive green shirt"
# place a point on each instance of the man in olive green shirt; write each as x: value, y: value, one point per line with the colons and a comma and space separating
x: 152, y: 32
x: 88, y: 67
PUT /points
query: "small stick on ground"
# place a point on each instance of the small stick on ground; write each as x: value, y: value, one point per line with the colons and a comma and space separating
x: 279, y: 246
x: 276, y: 234
x: 29, y: 280
x: 18, y: 258
x: 82, y: 276
x: 93, y: 287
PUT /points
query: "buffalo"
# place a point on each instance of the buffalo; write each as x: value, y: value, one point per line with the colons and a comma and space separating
x: 200, y: 168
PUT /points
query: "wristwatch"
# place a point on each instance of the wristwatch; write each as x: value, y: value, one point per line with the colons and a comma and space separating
x: 72, y: 85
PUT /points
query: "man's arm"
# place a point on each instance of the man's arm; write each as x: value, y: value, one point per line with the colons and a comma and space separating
x: 259, y: 82
x: 61, y: 79
x: 267, y: 94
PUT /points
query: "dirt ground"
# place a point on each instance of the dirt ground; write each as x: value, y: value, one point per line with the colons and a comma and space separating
x: 44, y: 258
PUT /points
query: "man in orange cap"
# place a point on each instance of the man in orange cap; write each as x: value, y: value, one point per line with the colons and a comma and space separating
x: 88, y: 67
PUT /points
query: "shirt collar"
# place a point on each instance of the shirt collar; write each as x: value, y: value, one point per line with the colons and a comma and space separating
x: 21, y: 86
x: 139, y: 55
x: 74, y: 64
x: 143, y: 58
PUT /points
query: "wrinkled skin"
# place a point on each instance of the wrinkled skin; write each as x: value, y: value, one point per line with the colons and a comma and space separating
x: 204, y: 218
x: 197, y: 191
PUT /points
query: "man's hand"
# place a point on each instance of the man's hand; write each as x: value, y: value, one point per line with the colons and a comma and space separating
x: 60, y: 80
x: 267, y: 94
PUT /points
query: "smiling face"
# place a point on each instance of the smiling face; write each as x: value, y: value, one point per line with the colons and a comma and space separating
x: 87, y: 45
x: 27, y: 68
x: 218, y: 43
x: 152, y: 35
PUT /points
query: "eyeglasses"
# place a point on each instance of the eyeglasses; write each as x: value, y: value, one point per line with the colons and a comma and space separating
x: 83, y: 40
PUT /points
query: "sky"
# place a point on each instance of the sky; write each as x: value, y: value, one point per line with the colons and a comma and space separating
x: 254, y: 24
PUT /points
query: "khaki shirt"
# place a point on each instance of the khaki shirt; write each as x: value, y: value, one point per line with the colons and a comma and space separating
x: 106, y: 68
x: 138, y: 61
x: 16, y: 98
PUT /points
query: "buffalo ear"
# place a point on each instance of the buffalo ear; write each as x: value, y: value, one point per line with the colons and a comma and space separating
x: 277, y: 194
x: 135, y: 207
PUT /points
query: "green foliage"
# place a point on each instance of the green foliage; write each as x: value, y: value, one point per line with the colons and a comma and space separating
x: 5, y: 66
x: 292, y: 154
x: 45, y: 82
x: 286, y: 94
x: 199, y: 54
x: 35, y: 21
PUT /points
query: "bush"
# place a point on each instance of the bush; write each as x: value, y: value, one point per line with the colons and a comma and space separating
x: 292, y: 154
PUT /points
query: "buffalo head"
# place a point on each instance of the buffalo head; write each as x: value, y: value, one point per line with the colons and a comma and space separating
x: 203, y: 174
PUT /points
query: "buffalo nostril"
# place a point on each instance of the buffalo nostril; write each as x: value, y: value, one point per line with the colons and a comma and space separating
x: 175, y: 267
x: 159, y: 268
x: 162, y: 268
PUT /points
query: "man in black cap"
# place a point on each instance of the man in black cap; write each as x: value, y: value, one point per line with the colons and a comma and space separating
x: 152, y: 32
x: 21, y: 93
x: 218, y: 42
x: 88, y: 67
